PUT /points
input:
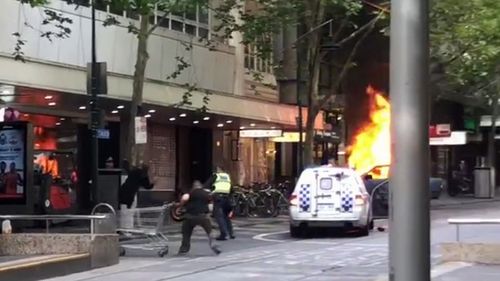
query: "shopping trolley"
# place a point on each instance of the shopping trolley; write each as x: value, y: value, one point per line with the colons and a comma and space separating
x: 146, y: 228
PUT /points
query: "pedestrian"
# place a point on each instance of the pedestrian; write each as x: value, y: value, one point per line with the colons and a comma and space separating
x: 220, y: 184
x: 110, y: 163
x: 137, y: 177
x: 196, y: 203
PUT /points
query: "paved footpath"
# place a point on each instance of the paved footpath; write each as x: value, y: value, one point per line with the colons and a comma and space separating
x: 266, y: 252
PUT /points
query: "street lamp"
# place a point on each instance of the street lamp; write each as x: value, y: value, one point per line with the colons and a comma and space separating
x: 96, y: 84
x: 409, y: 222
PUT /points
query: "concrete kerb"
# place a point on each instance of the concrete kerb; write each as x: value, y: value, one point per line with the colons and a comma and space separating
x: 435, y: 205
x: 477, y: 253
x: 68, y: 253
x: 46, y: 266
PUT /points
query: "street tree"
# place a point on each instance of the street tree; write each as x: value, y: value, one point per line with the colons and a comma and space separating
x: 142, y: 28
x: 318, y: 23
x: 465, y: 52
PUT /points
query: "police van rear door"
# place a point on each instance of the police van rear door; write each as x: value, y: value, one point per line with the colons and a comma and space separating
x: 328, y: 195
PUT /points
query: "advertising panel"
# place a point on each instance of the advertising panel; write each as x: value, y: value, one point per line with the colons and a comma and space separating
x: 12, y: 163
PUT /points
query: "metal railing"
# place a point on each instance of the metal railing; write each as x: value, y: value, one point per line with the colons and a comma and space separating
x: 48, y: 218
x: 471, y: 221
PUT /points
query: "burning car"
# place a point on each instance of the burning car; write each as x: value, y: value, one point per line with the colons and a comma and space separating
x: 370, y: 153
x: 379, y: 190
x: 372, y: 179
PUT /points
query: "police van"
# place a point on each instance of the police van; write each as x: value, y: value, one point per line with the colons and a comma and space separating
x: 329, y: 197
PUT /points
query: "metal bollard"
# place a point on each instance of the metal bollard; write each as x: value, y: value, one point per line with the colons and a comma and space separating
x: 106, y: 225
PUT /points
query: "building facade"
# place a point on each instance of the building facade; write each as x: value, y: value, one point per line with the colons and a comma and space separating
x: 184, y: 144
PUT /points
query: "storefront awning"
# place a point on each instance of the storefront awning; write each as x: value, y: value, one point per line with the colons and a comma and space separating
x: 486, y: 121
x: 456, y: 138
x: 73, y: 80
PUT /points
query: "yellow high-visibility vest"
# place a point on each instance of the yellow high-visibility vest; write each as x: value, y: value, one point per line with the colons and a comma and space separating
x: 222, y: 183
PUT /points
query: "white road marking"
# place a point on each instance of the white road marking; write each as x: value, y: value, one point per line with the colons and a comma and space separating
x: 261, y: 237
x: 437, y: 270
x: 333, y: 243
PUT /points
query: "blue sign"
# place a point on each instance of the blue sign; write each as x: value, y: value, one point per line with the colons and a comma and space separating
x: 103, y: 134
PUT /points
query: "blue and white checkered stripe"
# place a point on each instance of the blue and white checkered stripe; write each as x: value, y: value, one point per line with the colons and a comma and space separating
x: 346, y: 201
x: 305, y: 198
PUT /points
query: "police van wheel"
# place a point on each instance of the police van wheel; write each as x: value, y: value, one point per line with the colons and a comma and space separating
x: 372, y: 224
x: 296, y: 231
x: 364, y: 230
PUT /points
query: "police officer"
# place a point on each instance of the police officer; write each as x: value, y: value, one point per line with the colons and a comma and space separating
x: 196, y: 205
x: 220, y: 184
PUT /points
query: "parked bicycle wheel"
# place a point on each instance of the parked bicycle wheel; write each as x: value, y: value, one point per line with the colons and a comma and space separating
x: 280, y: 203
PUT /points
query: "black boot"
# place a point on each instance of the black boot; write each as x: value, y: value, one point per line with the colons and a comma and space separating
x: 216, y: 249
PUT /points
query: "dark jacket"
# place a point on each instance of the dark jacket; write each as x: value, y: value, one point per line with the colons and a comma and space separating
x: 198, y: 202
x: 137, y: 178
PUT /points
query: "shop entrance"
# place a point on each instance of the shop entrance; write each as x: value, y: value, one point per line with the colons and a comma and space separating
x: 200, y: 148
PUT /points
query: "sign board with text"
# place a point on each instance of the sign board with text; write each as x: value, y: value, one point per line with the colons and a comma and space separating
x: 455, y: 138
x: 260, y: 133
x: 440, y: 130
x: 141, y: 130
x: 103, y: 134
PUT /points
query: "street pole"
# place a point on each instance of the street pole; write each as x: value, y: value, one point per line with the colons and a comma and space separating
x: 300, y: 123
x: 409, y: 236
x: 94, y: 115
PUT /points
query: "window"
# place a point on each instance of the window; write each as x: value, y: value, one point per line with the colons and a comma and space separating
x: 190, y: 29
x: 177, y: 26
x: 203, y: 15
x: 195, y: 22
x: 256, y: 62
x: 326, y: 183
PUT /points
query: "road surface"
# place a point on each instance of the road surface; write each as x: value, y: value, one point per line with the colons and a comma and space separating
x: 267, y: 252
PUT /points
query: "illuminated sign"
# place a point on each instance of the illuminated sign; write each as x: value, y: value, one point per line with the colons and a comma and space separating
x: 440, y: 130
x: 289, y: 137
x: 103, y: 134
x: 455, y: 138
x: 260, y: 133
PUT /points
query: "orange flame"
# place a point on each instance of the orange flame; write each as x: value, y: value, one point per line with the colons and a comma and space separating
x: 372, y: 143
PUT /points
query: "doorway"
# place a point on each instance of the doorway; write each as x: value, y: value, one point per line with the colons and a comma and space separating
x: 200, y: 147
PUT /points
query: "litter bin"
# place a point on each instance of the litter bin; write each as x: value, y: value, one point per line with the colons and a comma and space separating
x: 109, y: 183
x: 483, y: 184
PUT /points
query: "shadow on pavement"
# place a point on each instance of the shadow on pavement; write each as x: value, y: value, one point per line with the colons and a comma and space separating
x: 315, y: 233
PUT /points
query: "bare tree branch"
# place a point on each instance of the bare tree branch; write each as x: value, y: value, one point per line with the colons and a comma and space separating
x: 341, y: 28
x: 348, y: 62
x: 368, y: 25
x: 457, y: 56
x: 379, y: 7
x: 158, y: 23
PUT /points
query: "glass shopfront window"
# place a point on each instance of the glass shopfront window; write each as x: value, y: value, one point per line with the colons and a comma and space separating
x: 55, y: 175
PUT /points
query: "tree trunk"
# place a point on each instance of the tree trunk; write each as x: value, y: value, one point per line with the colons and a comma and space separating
x: 494, y: 114
x: 135, y: 152
x: 491, y: 136
x: 316, y: 9
x: 309, y: 140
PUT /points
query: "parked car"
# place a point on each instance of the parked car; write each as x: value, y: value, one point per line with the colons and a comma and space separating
x: 379, y: 191
x: 329, y: 197
x: 436, y: 185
